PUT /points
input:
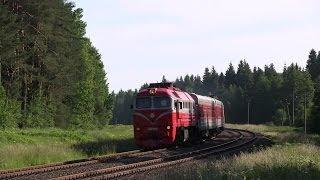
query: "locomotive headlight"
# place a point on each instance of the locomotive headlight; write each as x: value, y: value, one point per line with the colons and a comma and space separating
x: 138, y: 129
x: 168, y: 127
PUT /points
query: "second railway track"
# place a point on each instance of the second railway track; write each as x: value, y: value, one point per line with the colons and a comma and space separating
x: 29, y: 171
x: 127, y: 163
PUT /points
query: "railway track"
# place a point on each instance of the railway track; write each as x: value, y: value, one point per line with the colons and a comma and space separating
x: 131, y: 162
x: 14, y: 173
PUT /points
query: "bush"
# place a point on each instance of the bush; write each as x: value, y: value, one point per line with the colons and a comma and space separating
x: 40, y: 113
x: 9, y: 111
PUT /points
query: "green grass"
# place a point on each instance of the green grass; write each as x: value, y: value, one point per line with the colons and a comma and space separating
x: 20, y: 148
x: 294, y: 156
x: 282, y: 134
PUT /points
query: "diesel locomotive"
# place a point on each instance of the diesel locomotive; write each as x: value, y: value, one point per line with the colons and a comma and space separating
x: 164, y: 115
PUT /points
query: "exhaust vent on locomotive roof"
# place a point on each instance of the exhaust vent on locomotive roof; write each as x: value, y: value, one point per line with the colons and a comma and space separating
x: 161, y: 85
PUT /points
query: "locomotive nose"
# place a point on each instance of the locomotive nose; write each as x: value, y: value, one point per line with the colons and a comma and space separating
x: 152, y: 115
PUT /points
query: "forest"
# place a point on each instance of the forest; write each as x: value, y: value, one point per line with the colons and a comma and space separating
x: 51, y: 75
x: 254, y: 96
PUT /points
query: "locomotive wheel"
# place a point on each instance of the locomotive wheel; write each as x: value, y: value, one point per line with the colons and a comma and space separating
x: 213, y: 133
x: 182, y: 136
x: 194, y: 136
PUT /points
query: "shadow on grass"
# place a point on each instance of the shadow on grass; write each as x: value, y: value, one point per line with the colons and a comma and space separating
x: 103, y: 146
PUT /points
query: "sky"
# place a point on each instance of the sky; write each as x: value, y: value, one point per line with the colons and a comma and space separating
x: 142, y: 40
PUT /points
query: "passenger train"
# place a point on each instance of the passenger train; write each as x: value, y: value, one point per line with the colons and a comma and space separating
x: 164, y: 115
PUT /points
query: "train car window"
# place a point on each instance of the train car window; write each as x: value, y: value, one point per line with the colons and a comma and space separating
x: 161, y: 102
x: 180, y: 104
x: 143, y: 102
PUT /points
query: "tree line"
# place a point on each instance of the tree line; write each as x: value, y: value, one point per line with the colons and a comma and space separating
x: 255, y: 95
x: 50, y: 73
x: 52, y: 76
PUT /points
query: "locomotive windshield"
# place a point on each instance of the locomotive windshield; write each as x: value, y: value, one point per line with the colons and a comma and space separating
x: 153, y: 102
x: 161, y: 102
x: 143, y: 103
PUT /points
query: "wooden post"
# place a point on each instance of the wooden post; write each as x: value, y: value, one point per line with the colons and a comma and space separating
x: 25, y: 94
x: 248, y: 111
x: 0, y: 72
x: 288, y: 111
x: 305, y: 113
x: 293, y: 108
x: 282, y: 117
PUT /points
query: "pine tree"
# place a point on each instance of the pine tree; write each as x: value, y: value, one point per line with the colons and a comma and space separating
x: 315, y: 110
x: 188, y: 83
x: 221, y: 80
x: 276, y: 105
x: 244, y: 80
x: 313, y: 65
x: 164, y: 80
x: 210, y: 81
x: 197, y: 85
x: 122, y: 113
x: 261, y: 100
x: 83, y: 105
x: 230, y: 76
x: 296, y: 86
x: 206, y: 81
x: 43, y: 49
x: 244, y: 76
x: 214, y: 79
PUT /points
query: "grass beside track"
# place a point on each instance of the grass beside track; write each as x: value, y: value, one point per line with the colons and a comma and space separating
x: 294, y: 156
x: 21, y: 148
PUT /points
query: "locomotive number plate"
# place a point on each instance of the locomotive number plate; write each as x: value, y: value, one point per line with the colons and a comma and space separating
x: 152, y: 129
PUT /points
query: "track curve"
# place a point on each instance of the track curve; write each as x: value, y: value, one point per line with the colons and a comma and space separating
x: 131, y: 162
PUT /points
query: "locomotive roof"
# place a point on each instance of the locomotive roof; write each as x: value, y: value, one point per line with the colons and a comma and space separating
x: 161, y: 85
x: 205, y: 99
x: 173, y: 92
x: 168, y: 89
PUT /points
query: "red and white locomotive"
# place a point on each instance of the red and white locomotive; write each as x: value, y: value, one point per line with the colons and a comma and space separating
x: 164, y: 115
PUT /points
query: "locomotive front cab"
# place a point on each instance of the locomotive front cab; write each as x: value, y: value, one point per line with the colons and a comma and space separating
x: 152, y: 118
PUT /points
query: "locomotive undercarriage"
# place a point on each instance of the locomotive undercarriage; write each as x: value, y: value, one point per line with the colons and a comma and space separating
x: 192, y: 134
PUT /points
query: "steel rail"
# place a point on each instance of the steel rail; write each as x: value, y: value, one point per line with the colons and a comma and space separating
x: 132, y: 168
x: 178, y: 161
x: 5, y: 174
x: 122, y: 170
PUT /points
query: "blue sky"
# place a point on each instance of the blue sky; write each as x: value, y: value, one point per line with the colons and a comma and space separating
x: 141, y: 40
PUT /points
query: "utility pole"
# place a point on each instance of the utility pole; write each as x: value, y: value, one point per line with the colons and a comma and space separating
x: 305, y: 113
x: 288, y: 111
x: 0, y: 72
x: 293, y: 108
x: 282, y: 117
x: 248, y: 111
